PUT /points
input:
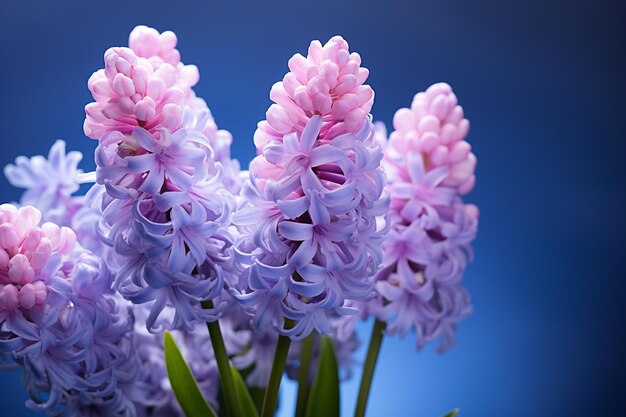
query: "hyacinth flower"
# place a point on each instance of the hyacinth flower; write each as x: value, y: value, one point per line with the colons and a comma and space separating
x: 313, y: 220
x: 139, y: 99
x: 166, y: 211
x: 60, y: 320
x: 49, y: 183
x: 429, y: 165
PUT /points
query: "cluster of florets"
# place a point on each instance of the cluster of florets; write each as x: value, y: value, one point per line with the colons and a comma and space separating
x: 314, y: 217
x: 61, y: 320
x: 166, y: 211
x: 428, y: 164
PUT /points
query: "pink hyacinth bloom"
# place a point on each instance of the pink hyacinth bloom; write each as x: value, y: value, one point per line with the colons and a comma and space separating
x: 25, y: 251
x: 145, y: 85
x: 415, y: 192
x: 435, y: 127
x: 327, y: 82
x: 130, y: 93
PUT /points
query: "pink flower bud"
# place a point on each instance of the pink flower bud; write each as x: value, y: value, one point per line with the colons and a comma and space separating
x: 20, y: 271
x: 9, y: 298
x: 27, y: 296
x: 8, y: 236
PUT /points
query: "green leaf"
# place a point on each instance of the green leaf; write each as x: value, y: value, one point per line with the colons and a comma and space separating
x: 452, y: 413
x: 243, y: 395
x: 324, y: 396
x: 183, y: 382
x: 258, y: 394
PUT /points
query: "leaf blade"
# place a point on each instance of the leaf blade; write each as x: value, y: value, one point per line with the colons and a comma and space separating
x: 452, y: 413
x: 183, y: 382
x: 324, y: 399
x: 243, y: 395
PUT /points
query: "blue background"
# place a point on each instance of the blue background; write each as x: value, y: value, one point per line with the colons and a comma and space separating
x: 539, y: 82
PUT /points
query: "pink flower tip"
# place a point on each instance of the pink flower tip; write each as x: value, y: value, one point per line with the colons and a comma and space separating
x: 435, y: 126
x: 328, y: 82
x: 25, y: 249
x: 143, y: 85
x: 147, y: 42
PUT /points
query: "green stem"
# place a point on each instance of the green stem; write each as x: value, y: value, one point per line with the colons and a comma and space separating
x: 278, y: 367
x: 370, y: 364
x: 221, y: 357
x: 303, y: 375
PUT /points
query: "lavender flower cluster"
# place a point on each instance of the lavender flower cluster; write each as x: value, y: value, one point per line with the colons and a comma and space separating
x: 60, y: 319
x: 166, y: 210
x: 331, y: 219
x: 314, y: 211
x: 428, y: 165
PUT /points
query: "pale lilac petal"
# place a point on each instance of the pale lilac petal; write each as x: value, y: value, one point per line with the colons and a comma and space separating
x: 295, y: 231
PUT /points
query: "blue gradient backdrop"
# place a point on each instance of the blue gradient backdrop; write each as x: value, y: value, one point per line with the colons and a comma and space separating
x: 539, y: 82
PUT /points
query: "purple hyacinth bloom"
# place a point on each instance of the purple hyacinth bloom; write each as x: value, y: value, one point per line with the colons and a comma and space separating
x: 165, y: 168
x: 313, y: 220
x: 49, y: 182
x: 420, y: 284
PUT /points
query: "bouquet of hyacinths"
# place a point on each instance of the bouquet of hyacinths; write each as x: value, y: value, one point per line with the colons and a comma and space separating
x: 181, y: 285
